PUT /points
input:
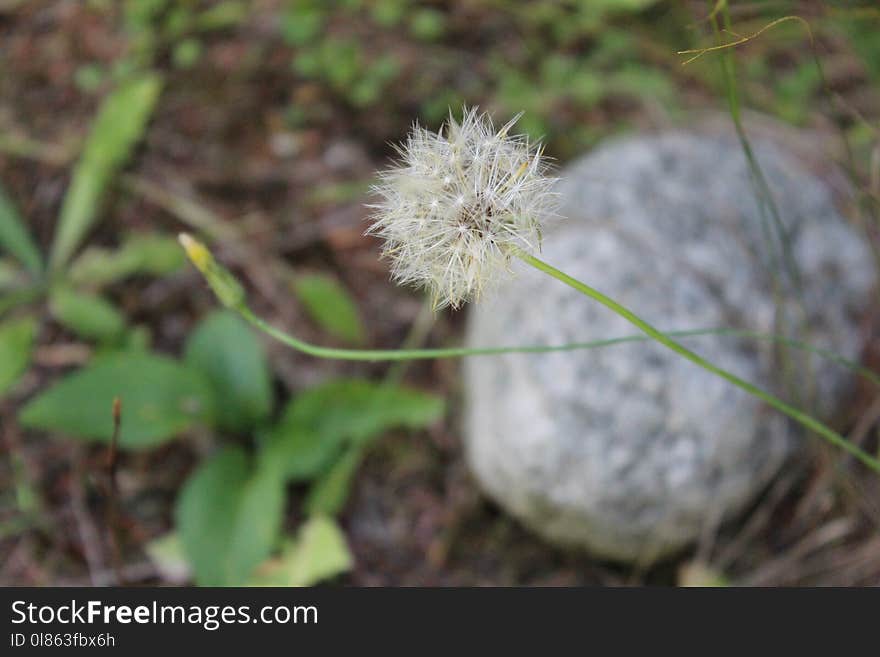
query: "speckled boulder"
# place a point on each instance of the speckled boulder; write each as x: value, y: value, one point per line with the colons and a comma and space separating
x: 628, y: 451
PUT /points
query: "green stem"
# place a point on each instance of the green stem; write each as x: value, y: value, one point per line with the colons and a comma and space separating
x: 796, y: 414
x: 230, y: 292
x: 387, y: 355
x: 374, y: 355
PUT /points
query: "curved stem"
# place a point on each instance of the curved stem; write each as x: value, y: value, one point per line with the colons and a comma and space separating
x: 230, y: 292
x: 232, y: 295
x: 796, y: 414
x: 387, y: 355
x: 374, y: 355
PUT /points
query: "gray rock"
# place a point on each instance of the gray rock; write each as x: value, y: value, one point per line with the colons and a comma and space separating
x: 629, y: 451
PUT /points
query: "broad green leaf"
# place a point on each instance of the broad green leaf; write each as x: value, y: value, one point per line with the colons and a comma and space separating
x: 166, y: 553
x: 16, y: 340
x: 119, y: 126
x: 319, y: 552
x: 318, y: 423
x: 14, y: 237
x: 330, y: 306
x: 89, y: 316
x: 151, y: 254
x: 302, y: 453
x: 329, y: 493
x: 160, y: 398
x: 234, y: 362
x: 229, y: 517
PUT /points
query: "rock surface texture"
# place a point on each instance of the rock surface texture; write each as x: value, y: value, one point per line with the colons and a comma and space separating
x: 630, y: 451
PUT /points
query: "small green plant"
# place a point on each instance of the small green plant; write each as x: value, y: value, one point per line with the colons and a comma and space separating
x: 177, y: 26
x: 155, y: 27
x: 569, y: 62
x: 72, y: 289
x: 340, y: 63
x: 575, y: 61
x: 229, y: 514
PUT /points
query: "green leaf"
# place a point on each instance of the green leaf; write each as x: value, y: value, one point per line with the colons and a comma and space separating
x: 388, y: 13
x: 329, y: 494
x: 16, y: 341
x: 302, y: 22
x: 319, y: 552
x: 186, y: 53
x: 427, y: 24
x: 160, y: 398
x: 302, y: 453
x: 330, y: 306
x: 316, y: 426
x: 156, y: 255
x: 140, y: 14
x: 14, y: 237
x: 229, y: 517
x: 87, y: 315
x: 119, y: 126
x: 177, y: 20
x: 234, y: 362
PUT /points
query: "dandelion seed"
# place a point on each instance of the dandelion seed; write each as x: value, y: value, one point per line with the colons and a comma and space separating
x: 458, y: 204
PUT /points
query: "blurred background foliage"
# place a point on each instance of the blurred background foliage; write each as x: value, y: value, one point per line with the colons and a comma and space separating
x: 259, y: 125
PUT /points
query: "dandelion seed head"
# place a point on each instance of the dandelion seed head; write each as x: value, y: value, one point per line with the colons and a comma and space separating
x: 457, y: 204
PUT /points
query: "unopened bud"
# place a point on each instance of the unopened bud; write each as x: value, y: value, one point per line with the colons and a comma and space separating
x: 222, y: 282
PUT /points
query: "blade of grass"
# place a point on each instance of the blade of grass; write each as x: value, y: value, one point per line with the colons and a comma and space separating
x: 119, y: 126
x: 867, y: 200
x: 807, y: 421
x: 782, y: 264
x: 766, y: 202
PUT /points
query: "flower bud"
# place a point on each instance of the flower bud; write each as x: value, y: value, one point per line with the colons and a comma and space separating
x: 227, y: 288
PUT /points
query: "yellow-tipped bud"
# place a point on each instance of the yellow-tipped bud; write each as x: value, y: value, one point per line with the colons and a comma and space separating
x: 227, y: 288
x: 196, y: 251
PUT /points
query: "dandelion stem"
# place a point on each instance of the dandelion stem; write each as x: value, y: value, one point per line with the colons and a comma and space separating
x: 388, y: 355
x: 231, y: 293
x: 796, y: 414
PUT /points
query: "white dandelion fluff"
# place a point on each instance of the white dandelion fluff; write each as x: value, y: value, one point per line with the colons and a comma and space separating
x: 457, y: 205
